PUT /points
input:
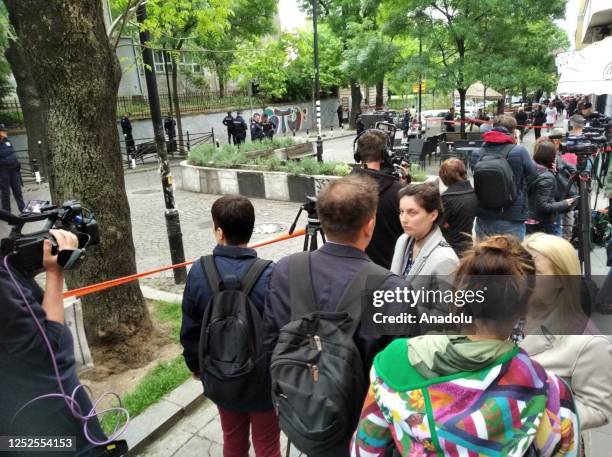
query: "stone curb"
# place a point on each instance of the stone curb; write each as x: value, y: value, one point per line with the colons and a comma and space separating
x: 161, y: 416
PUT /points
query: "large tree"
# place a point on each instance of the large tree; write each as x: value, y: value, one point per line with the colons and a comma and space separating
x: 76, y: 74
x: 249, y: 20
x: 462, y: 38
x: 174, y: 24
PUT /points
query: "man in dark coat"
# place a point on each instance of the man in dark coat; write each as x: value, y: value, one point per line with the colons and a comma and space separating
x: 371, y: 148
x: 460, y: 205
x: 347, y: 210
x: 10, y: 176
x: 239, y: 129
x: 539, y: 117
x: 449, y: 120
x: 359, y: 125
x: 257, y: 133
x: 228, y: 121
x: 340, y: 113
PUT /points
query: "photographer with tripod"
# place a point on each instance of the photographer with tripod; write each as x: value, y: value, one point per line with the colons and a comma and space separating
x: 32, y: 324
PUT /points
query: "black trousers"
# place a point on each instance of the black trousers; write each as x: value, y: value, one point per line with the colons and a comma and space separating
x: 10, y: 180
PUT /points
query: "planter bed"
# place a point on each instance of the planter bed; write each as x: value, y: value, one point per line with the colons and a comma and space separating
x: 272, y: 185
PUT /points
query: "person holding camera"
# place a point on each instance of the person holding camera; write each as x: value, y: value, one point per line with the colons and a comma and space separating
x: 371, y: 149
x: 10, y: 176
x: 37, y: 357
x: 542, y: 192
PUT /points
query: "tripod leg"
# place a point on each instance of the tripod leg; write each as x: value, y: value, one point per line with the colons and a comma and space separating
x: 585, y: 228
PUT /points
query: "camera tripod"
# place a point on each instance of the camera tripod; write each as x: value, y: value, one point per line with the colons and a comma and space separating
x: 313, y: 225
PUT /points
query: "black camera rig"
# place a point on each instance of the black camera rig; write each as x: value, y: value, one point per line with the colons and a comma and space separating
x: 26, y: 249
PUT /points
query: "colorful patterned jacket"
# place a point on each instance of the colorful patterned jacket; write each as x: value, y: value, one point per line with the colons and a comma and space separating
x: 508, y: 409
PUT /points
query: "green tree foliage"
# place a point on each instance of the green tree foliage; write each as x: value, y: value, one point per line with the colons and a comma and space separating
x: 469, y: 40
x: 284, y: 67
x: 5, y: 69
x: 249, y: 20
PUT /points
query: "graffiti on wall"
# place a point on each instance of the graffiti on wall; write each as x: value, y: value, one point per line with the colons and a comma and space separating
x: 289, y: 120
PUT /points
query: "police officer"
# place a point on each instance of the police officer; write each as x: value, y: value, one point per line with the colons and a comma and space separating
x: 268, y: 126
x: 257, y: 132
x: 10, y: 178
x: 170, y: 128
x: 228, y: 121
x: 239, y: 129
x: 126, y: 128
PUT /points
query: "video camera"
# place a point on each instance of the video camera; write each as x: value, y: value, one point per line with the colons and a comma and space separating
x: 602, y: 122
x: 26, y: 249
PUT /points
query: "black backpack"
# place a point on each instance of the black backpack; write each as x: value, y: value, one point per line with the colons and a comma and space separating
x: 318, y: 378
x: 494, y: 179
x: 232, y: 359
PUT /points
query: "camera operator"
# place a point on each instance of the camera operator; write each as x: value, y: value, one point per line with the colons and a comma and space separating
x: 371, y: 150
x: 29, y: 373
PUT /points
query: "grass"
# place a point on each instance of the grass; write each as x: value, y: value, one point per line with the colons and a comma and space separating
x: 163, y: 378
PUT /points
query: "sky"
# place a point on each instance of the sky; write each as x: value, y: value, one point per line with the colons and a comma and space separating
x: 292, y: 18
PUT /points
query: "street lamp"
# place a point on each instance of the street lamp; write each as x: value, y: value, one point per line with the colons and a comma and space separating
x: 317, y: 82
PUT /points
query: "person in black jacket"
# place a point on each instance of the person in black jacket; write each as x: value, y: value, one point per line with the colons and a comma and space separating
x: 539, y: 117
x: 26, y: 364
x: 228, y: 121
x: 257, y: 133
x: 233, y: 219
x: 239, y: 129
x: 542, y: 192
x: 372, y: 147
x: 460, y: 205
x: 521, y: 120
x: 10, y: 176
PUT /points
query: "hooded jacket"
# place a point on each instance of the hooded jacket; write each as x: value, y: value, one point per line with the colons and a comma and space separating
x: 524, y: 170
x: 388, y: 227
x: 508, y: 407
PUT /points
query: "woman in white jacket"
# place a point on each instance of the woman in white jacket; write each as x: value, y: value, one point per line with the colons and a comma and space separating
x: 560, y: 335
x: 422, y: 256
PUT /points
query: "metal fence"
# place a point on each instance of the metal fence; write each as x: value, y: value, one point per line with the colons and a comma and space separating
x: 144, y: 150
x: 137, y: 106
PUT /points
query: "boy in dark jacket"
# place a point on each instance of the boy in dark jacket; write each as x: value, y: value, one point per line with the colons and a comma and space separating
x: 233, y: 218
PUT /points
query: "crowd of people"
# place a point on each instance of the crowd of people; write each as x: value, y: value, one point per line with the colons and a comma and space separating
x: 432, y: 390
x: 261, y: 126
x: 285, y: 346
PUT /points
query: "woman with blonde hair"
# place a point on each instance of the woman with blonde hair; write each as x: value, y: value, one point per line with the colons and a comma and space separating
x: 561, y: 337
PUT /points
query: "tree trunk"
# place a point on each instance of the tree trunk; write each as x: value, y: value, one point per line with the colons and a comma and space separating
x: 77, y: 75
x: 380, y: 96
x: 355, y: 103
x: 177, y: 109
x: 34, y: 112
x: 501, y: 104
x: 462, y: 91
x: 221, y: 87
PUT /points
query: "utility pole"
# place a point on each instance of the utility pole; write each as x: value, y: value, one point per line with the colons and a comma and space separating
x: 317, y: 82
x: 173, y: 224
x: 420, y: 85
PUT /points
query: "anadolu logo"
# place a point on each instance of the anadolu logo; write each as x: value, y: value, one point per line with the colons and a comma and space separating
x: 607, y: 73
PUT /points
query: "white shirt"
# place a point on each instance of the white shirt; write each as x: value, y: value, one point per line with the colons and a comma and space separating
x: 551, y: 115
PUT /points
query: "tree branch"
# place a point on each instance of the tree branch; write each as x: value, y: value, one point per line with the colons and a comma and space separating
x: 123, y: 18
